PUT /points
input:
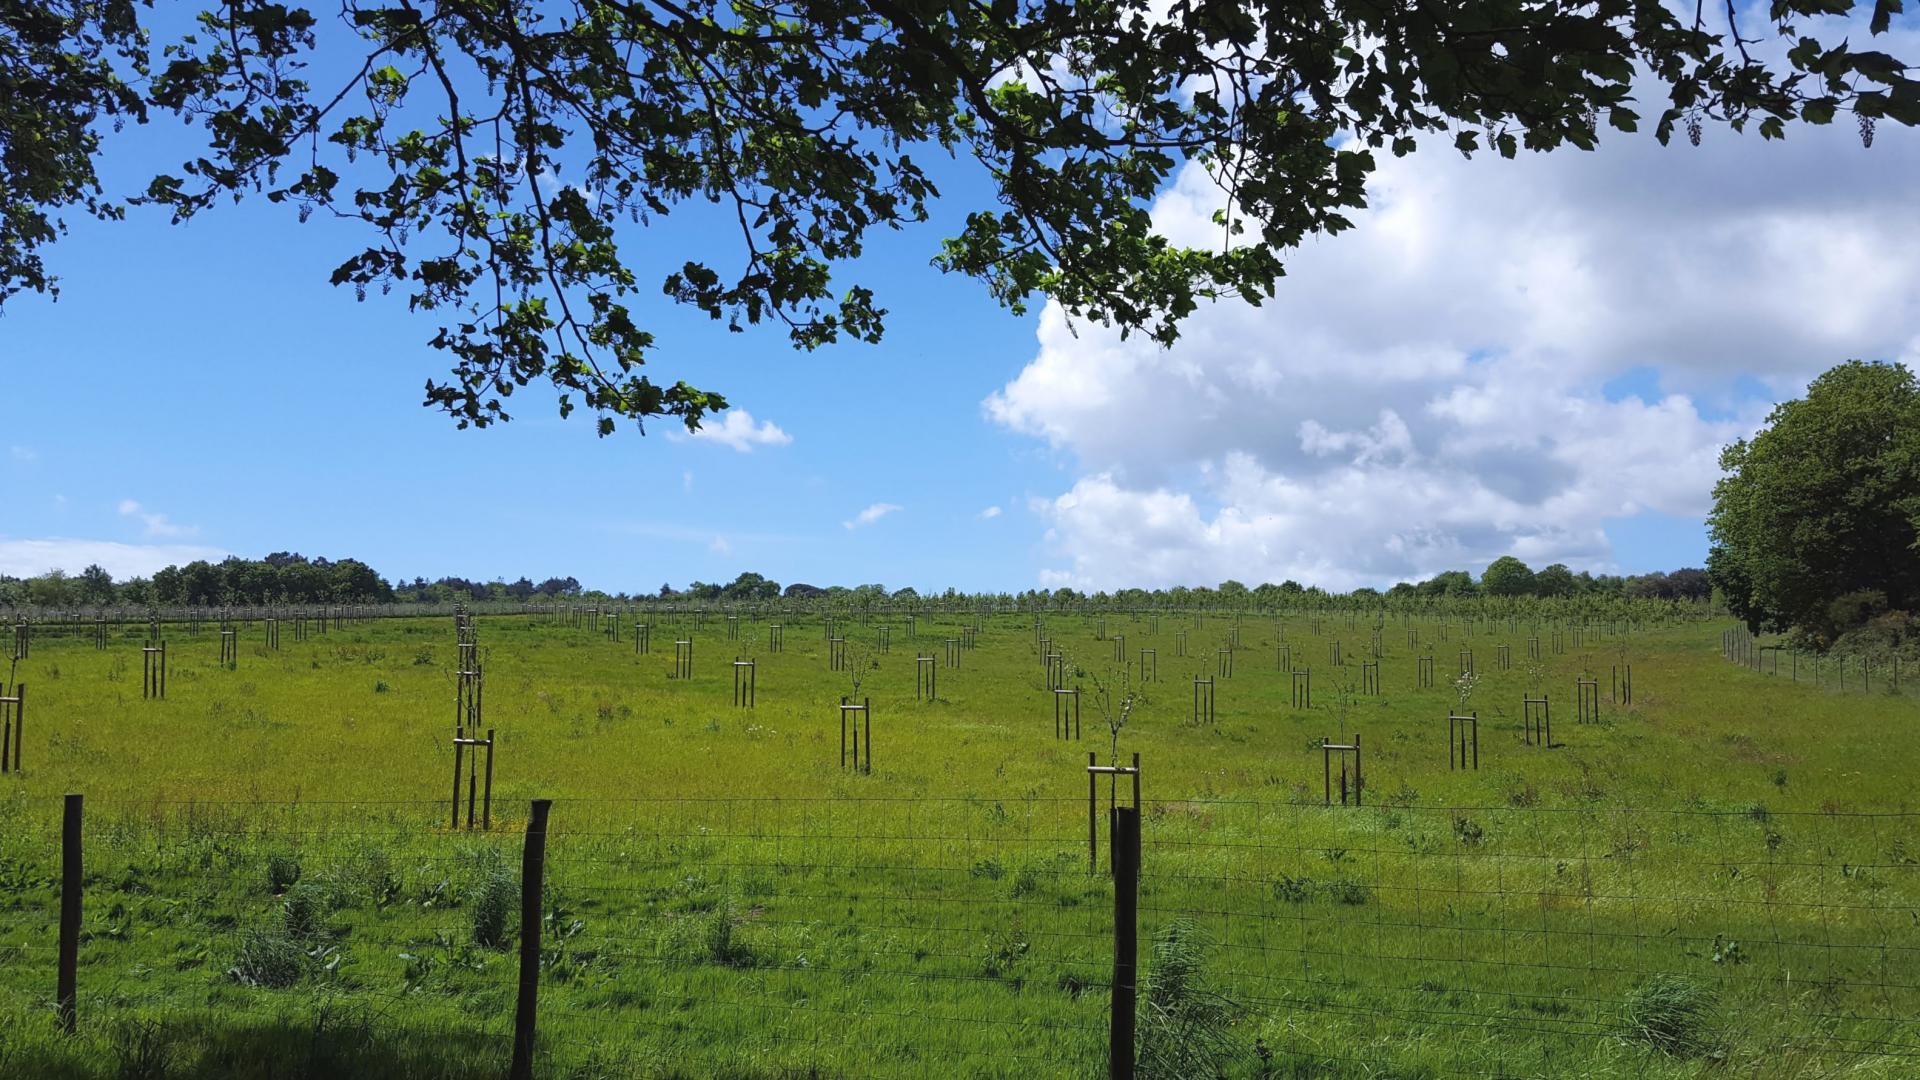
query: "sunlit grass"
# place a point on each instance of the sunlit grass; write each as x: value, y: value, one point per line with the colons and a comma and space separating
x: 724, y: 900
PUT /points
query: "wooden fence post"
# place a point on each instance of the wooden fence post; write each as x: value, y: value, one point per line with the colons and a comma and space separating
x: 67, y: 994
x: 1125, y: 832
x: 1093, y: 822
x: 533, y: 865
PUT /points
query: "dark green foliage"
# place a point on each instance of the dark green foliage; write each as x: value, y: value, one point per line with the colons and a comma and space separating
x: 1293, y: 890
x: 286, y: 578
x: 278, y: 578
x: 1452, y: 583
x: 492, y: 903
x: 1185, y: 1025
x: 751, y: 586
x: 269, y: 957
x: 1555, y: 580
x: 1468, y: 831
x: 705, y: 936
x: 1002, y: 952
x: 141, y: 1050
x: 63, y: 65
x: 364, y: 878
x: 1816, y: 526
x: 716, y: 936
x: 1289, y: 889
x: 494, y: 151
x: 1671, y: 1013
x: 1687, y: 583
x: 282, y: 872
x: 95, y: 585
x: 1508, y: 576
x: 1348, y: 891
x: 1881, y: 638
x: 305, y: 906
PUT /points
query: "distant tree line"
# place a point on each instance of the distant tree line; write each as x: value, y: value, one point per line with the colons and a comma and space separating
x: 282, y: 577
x: 1508, y: 576
x: 291, y: 578
x: 452, y: 589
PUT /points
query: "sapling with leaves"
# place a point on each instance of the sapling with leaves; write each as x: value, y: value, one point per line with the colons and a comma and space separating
x: 1463, y: 688
x: 1116, y: 696
x: 860, y: 662
x: 1345, y: 694
x: 1623, y: 655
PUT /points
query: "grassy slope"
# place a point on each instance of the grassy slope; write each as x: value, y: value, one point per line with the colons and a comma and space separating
x: 733, y: 902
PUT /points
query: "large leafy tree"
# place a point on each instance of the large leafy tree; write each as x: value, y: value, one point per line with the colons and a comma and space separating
x: 500, y: 152
x: 1508, y: 576
x: 1449, y: 583
x: 751, y: 586
x: 95, y: 585
x: 1823, y: 504
x: 1555, y: 580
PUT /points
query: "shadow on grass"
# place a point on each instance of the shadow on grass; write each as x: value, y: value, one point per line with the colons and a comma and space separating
x: 328, y: 1046
x: 308, y: 1048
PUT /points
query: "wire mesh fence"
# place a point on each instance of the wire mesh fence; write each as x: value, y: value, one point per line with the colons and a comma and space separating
x: 882, y: 936
x: 974, y: 936
x: 1548, y: 943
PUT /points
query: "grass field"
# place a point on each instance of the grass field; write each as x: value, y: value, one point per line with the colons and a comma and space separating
x: 1719, y: 879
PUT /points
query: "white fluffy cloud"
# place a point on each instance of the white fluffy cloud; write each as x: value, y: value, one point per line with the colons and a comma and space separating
x: 989, y: 513
x: 871, y: 514
x: 28, y: 558
x: 737, y: 429
x: 157, y: 525
x: 1429, y: 391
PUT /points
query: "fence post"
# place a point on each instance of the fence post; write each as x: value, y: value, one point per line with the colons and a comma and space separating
x: 1093, y: 822
x: 1126, y: 940
x: 68, y: 989
x: 533, y: 864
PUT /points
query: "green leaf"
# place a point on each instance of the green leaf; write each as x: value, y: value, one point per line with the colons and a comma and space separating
x: 545, y: 140
x: 1883, y: 13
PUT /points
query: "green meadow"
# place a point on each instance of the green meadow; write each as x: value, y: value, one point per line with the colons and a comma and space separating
x: 1719, y: 878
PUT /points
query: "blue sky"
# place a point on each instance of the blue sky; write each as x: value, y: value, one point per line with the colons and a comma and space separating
x: 1540, y: 357
x: 208, y: 373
